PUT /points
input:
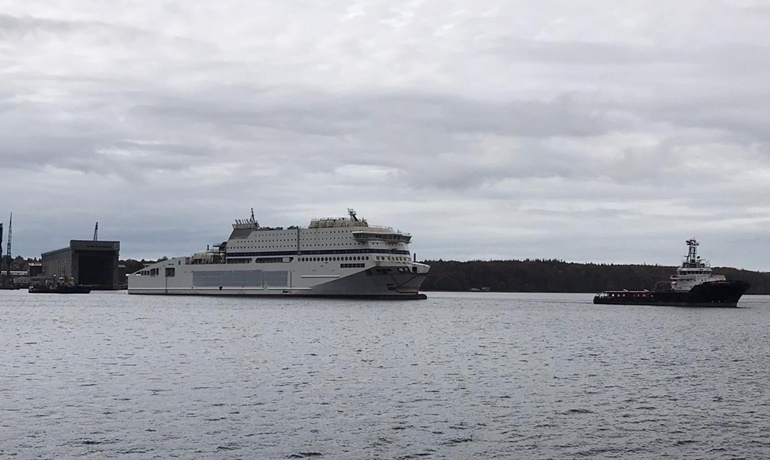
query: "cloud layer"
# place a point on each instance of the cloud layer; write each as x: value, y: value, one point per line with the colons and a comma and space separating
x: 592, y: 131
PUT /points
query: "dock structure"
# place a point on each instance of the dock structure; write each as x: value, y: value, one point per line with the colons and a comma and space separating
x: 88, y: 262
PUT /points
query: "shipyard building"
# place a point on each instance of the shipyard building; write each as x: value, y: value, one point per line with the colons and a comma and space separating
x: 91, y: 263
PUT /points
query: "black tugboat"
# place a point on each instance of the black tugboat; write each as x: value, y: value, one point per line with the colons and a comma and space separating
x: 693, y: 286
x: 64, y: 285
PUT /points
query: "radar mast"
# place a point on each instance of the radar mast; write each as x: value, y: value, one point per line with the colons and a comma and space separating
x: 692, y: 253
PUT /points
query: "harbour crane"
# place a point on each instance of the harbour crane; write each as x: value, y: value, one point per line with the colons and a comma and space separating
x: 6, y: 281
x: 2, y: 259
x: 8, y: 252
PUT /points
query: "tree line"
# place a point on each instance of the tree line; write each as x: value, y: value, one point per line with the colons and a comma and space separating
x: 559, y: 276
x: 548, y: 276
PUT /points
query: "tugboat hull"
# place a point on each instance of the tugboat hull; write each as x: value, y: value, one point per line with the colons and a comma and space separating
x: 709, y: 294
x: 77, y: 289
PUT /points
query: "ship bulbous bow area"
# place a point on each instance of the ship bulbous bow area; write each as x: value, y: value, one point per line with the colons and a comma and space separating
x: 376, y: 283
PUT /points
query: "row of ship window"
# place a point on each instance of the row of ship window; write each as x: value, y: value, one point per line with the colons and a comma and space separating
x: 272, y: 260
x: 352, y: 265
x: 170, y: 272
x: 334, y: 259
x: 264, y: 260
x: 307, y: 238
x: 303, y: 245
x: 309, y: 252
x: 328, y: 259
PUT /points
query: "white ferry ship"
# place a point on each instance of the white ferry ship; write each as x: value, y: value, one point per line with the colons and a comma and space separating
x: 332, y: 257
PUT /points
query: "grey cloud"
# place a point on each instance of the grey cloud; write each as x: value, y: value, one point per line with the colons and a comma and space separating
x: 562, y: 125
x: 98, y: 33
x: 339, y: 114
x: 579, y: 53
x: 22, y: 26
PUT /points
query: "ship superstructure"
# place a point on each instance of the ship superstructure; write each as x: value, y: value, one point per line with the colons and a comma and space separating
x: 693, y: 271
x: 331, y: 257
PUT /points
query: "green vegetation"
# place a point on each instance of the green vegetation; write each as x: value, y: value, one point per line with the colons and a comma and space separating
x: 133, y: 265
x: 560, y: 276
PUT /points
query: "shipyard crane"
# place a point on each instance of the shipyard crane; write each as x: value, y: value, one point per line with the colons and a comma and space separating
x: 6, y: 282
x: 8, y: 252
x: 2, y: 280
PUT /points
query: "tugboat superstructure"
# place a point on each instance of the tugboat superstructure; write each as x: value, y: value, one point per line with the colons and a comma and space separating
x: 693, y: 271
x: 331, y: 257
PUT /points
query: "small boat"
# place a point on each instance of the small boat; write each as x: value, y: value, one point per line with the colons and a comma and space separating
x: 62, y: 285
x: 693, y: 286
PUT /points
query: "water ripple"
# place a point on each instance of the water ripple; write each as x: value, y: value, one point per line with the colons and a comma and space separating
x: 456, y: 376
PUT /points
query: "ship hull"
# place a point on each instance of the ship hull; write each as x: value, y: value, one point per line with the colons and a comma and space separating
x: 710, y: 294
x: 380, y: 282
x: 59, y: 290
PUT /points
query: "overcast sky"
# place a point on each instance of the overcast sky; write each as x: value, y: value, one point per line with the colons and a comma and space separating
x: 586, y: 131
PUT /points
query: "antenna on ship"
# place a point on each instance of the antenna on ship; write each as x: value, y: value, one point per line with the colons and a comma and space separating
x: 254, y: 222
x: 692, y: 251
x: 96, y: 231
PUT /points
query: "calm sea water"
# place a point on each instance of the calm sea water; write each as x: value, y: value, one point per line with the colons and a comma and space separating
x: 482, y: 375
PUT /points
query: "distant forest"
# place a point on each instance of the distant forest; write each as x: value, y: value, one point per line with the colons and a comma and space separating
x: 559, y: 276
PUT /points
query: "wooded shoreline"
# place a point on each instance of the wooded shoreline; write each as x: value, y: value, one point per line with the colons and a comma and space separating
x: 560, y: 276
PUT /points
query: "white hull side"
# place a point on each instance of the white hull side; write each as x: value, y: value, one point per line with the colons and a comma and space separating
x: 308, y: 279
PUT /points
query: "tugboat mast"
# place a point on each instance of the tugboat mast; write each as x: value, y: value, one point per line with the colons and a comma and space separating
x: 692, y: 253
